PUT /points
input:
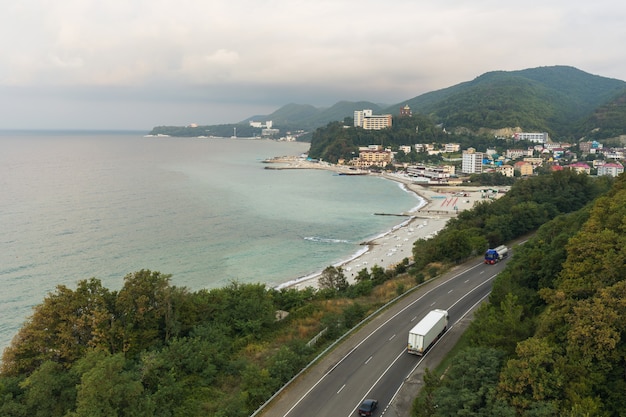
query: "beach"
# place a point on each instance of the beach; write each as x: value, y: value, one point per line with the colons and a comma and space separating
x: 424, y: 222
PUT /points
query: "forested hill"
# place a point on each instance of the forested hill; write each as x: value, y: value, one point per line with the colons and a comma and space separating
x: 552, y: 99
x: 552, y: 340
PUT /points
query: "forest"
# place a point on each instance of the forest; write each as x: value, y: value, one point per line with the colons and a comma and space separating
x: 154, y: 349
x: 552, y: 339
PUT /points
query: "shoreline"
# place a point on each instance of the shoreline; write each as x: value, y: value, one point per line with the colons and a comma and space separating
x: 388, y: 249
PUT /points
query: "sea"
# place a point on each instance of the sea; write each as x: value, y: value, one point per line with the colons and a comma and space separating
x: 76, y: 205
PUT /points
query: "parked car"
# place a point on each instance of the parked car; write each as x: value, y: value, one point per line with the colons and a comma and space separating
x: 367, y: 407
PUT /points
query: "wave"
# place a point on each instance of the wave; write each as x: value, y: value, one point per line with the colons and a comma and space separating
x: 324, y: 239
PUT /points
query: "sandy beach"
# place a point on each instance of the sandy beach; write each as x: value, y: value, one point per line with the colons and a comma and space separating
x: 389, y: 249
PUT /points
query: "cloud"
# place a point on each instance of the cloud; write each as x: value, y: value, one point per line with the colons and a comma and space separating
x: 272, y: 52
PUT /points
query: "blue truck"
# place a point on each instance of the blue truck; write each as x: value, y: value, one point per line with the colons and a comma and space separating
x: 493, y: 256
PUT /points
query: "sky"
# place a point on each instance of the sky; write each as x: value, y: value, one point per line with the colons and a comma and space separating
x: 136, y: 64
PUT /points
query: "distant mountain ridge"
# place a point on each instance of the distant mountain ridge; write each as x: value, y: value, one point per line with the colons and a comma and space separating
x: 558, y: 99
x: 561, y: 100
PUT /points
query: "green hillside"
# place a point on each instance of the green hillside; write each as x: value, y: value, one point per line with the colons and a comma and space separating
x: 607, y: 121
x: 553, y: 99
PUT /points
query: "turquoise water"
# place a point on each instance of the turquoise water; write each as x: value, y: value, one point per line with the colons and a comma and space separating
x: 75, y: 206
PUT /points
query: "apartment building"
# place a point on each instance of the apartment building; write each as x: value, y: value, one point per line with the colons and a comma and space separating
x: 369, y: 121
x: 472, y: 162
x: 535, y: 137
x: 612, y: 169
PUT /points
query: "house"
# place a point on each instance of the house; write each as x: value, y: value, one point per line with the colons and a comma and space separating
x: 525, y: 169
x: 580, y: 167
x: 506, y: 170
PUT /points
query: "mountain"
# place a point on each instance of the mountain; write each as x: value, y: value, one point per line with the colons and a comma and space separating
x: 561, y: 100
x: 554, y: 99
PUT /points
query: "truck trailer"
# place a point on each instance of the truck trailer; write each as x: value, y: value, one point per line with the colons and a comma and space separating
x: 427, y: 331
x: 493, y: 256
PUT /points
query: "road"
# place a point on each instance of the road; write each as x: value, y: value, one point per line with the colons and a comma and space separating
x: 373, y: 363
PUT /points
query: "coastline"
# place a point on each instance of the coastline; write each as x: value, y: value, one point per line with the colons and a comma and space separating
x: 439, y: 205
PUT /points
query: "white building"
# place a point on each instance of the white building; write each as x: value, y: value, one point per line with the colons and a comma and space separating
x: 472, y: 162
x: 451, y: 147
x: 612, y: 169
x: 369, y: 121
x: 535, y: 137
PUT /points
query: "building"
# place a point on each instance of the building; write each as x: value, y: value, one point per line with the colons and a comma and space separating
x: 261, y: 125
x: 406, y: 111
x: 580, y: 167
x: 377, y: 122
x: 542, y: 137
x: 612, y: 169
x: 369, y: 121
x: 451, y: 148
x: 506, y: 170
x: 472, y: 162
x: 525, y: 169
x: 518, y: 153
x: 614, y: 154
x: 359, y: 117
x: 373, y: 155
x: 433, y: 175
x: 424, y: 147
x: 405, y: 148
x: 590, y: 147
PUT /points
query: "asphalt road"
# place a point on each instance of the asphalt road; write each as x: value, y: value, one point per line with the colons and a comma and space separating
x: 373, y: 362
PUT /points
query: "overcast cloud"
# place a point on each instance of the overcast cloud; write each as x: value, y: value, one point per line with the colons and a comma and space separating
x: 135, y: 64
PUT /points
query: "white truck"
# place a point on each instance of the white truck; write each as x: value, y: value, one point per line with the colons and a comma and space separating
x: 427, y: 331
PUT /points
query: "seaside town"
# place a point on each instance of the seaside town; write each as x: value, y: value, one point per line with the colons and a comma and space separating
x: 445, y: 189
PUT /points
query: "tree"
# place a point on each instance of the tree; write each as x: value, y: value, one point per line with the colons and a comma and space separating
x: 50, y: 391
x: 108, y: 388
x: 144, y: 310
x: 62, y: 328
x: 333, y: 278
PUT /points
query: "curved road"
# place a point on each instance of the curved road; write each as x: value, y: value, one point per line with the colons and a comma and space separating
x: 373, y: 362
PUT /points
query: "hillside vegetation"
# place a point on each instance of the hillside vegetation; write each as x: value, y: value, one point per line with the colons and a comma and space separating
x: 552, y: 339
x: 551, y: 99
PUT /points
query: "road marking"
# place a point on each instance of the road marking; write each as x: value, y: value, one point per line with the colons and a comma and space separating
x: 391, y: 338
x: 450, y: 291
x: 410, y: 305
x: 466, y: 281
x: 341, y: 389
x: 414, y: 318
x: 368, y: 360
x: 433, y: 304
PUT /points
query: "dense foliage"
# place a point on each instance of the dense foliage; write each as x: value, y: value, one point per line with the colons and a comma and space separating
x: 336, y: 141
x: 552, y: 337
x: 151, y: 349
x: 551, y: 99
x: 529, y: 204
x: 607, y: 121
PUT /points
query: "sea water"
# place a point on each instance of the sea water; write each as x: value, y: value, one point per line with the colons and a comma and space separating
x: 80, y: 205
